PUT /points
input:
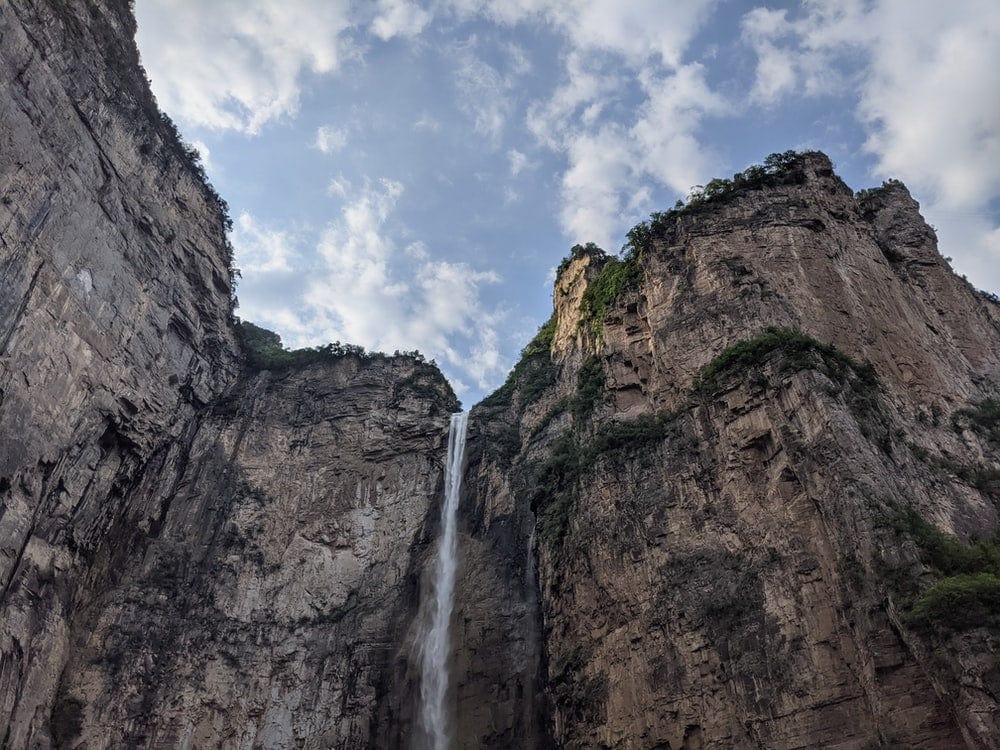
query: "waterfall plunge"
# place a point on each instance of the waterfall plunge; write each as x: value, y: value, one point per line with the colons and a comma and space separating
x: 434, y: 661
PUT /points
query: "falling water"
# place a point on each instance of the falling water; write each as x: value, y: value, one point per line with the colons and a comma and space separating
x: 434, y: 678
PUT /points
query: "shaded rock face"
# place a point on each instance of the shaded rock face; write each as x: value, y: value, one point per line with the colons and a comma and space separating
x: 197, y: 554
x: 264, y: 611
x: 191, y: 555
x: 114, y: 319
x: 724, y: 567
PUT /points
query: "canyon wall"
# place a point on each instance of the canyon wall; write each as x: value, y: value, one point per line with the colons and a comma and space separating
x: 729, y: 497
x: 193, y: 552
x: 729, y: 520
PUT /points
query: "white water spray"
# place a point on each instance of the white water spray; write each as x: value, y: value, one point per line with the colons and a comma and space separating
x: 434, y: 677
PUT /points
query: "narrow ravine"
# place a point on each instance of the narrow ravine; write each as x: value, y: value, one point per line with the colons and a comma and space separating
x: 434, y: 717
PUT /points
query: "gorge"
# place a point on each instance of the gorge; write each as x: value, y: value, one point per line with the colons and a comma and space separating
x: 739, y: 491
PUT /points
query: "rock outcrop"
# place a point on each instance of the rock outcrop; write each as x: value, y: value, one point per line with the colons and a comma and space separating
x: 729, y: 520
x: 192, y: 553
x: 729, y: 497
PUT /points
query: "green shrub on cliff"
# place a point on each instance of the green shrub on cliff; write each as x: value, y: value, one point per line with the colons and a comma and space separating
x: 533, y: 373
x: 960, y: 602
x: 617, y: 276
x: 799, y: 351
x: 572, y: 456
x: 968, y: 595
x: 982, y: 417
x: 778, y: 169
x: 264, y: 350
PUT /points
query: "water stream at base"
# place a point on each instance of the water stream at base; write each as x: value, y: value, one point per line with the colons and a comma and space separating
x: 436, y: 643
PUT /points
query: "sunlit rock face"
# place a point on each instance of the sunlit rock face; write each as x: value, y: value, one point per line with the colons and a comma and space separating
x: 721, y: 561
x: 674, y: 531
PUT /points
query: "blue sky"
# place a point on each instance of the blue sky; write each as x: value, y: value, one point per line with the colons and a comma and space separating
x: 405, y: 174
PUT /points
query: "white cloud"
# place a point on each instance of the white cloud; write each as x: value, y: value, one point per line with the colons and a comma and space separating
x: 611, y: 166
x: 372, y: 289
x: 259, y: 249
x: 402, y: 18
x: 205, y: 154
x: 236, y: 64
x: 665, y: 134
x: 611, y: 49
x: 600, y: 169
x: 330, y: 139
x: 928, y: 99
x: 639, y: 30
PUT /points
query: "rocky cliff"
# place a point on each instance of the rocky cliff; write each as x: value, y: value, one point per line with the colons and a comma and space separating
x: 740, y: 491
x: 756, y: 453
x: 197, y: 548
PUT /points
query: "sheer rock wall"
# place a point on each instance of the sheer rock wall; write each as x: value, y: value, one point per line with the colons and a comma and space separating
x: 731, y: 577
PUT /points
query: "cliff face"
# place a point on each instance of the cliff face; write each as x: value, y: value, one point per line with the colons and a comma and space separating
x: 263, y: 606
x: 728, y: 497
x: 191, y: 554
x: 732, y: 543
x: 114, y: 320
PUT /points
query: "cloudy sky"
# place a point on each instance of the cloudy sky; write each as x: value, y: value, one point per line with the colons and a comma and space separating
x: 405, y: 174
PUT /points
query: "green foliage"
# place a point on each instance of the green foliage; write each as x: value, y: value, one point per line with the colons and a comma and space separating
x: 947, y: 553
x: 555, y: 488
x: 590, y: 388
x: 533, y: 374
x: 960, y: 603
x: 264, y: 351
x: 969, y: 594
x: 863, y: 196
x: 983, y: 478
x: 590, y: 391
x: 799, y: 350
x: 778, y: 169
x: 617, y: 276
x: 556, y: 480
x: 578, y: 251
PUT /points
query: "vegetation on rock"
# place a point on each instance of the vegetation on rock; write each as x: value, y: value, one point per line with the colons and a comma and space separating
x: 982, y: 417
x: 617, y: 276
x: 778, y: 169
x: 571, y: 457
x: 799, y: 351
x: 264, y: 350
x: 968, y: 595
x: 533, y: 373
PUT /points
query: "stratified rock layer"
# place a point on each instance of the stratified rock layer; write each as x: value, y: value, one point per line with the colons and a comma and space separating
x: 195, y: 552
x: 190, y: 555
x: 726, y: 572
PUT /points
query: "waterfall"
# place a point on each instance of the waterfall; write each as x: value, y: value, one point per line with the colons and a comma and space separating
x: 434, y: 662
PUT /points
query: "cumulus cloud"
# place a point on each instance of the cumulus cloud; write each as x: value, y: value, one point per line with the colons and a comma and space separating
x: 610, y: 48
x: 237, y: 64
x: 366, y: 286
x: 928, y: 99
x: 403, y: 18
x: 259, y: 249
x: 366, y: 293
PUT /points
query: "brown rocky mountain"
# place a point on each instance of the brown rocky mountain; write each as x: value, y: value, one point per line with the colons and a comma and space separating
x: 740, y: 491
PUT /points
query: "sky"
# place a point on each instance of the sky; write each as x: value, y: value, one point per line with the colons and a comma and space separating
x: 407, y: 174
